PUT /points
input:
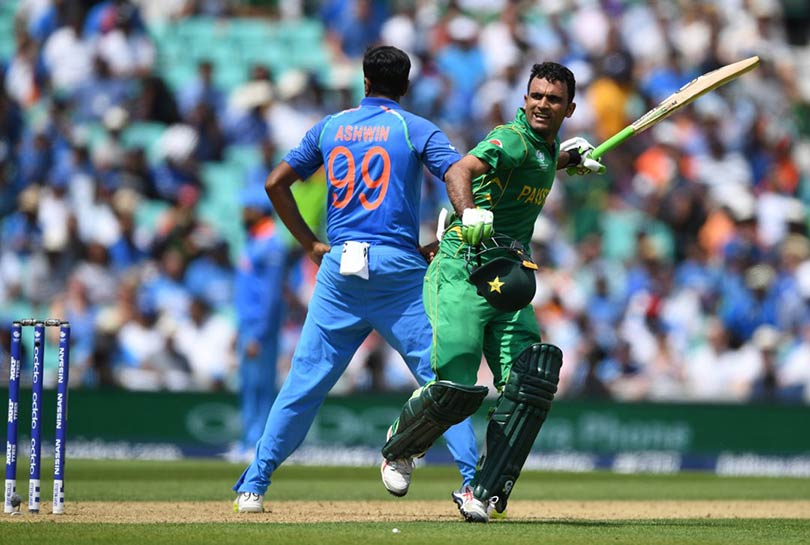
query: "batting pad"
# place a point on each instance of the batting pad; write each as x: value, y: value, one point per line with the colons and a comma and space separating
x: 426, y: 416
x: 516, y: 420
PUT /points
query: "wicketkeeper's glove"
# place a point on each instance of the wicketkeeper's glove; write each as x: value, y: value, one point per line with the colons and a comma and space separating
x: 476, y: 225
x: 581, y: 163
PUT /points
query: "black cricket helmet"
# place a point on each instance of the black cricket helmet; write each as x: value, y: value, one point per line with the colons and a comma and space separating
x: 503, y: 273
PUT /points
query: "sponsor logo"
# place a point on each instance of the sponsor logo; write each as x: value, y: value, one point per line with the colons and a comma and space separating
x: 507, y: 487
x: 34, y: 413
x: 12, y: 411
x: 37, y: 364
x: 11, y: 453
x: 57, y: 460
x: 541, y: 159
x: 60, y: 372
x: 533, y: 195
x: 496, y: 142
x: 34, y: 465
x: 60, y: 402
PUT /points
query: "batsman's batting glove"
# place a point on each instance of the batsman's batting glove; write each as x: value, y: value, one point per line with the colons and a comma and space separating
x: 476, y: 225
x: 581, y: 163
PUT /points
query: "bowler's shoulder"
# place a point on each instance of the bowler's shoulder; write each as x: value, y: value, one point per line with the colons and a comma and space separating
x: 417, y: 122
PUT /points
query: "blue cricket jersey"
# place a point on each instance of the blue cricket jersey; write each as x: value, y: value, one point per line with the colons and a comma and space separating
x: 373, y: 156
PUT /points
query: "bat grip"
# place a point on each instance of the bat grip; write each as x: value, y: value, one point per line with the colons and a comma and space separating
x: 612, y: 142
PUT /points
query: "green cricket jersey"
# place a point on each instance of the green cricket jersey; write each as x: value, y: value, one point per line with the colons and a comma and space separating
x: 516, y: 187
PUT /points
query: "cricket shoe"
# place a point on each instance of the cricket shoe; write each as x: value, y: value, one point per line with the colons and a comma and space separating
x: 458, y: 495
x: 471, y: 508
x: 248, y: 502
x: 396, y: 474
x: 458, y: 499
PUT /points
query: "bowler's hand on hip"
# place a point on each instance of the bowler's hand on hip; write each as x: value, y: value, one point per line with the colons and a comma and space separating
x: 476, y: 226
x: 317, y: 252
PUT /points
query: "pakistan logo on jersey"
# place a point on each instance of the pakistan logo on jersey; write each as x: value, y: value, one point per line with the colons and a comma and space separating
x: 541, y: 159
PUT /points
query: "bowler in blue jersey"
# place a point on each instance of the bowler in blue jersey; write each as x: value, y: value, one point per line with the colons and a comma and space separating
x: 372, y: 267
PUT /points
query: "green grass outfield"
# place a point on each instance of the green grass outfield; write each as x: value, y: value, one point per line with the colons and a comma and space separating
x: 205, y: 481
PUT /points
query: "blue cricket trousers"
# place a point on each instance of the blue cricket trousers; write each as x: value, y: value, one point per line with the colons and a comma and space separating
x: 342, y: 312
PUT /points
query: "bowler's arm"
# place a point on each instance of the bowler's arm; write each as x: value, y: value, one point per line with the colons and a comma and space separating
x: 278, y: 189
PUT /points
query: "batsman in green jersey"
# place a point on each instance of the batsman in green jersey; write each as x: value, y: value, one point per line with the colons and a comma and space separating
x: 478, y: 292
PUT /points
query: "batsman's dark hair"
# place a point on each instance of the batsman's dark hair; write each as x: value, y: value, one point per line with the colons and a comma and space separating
x: 386, y: 69
x: 552, y: 71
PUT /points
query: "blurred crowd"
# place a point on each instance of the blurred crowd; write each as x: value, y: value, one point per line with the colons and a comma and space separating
x: 683, y: 274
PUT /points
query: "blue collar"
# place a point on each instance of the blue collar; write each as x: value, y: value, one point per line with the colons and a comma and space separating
x: 379, y: 101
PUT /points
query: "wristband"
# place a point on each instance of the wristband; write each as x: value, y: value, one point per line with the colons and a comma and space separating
x: 574, y: 158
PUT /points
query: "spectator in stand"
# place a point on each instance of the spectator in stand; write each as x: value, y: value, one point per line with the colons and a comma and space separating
x: 205, y: 340
x: 125, y: 45
x: 156, y: 102
x: 127, y: 251
x: 246, y: 120
x: 293, y: 110
x: 765, y: 387
x: 462, y: 63
x: 165, y: 285
x: 201, y: 90
x: 352, y: 26
x: 100, y: 92
x: 753, y: 303
x: 257, y: 175
x: 24, y: 75
x: 20, y: 232
x: 95, y: 273
x: 47, y: 17
x: 74, y: 305
x: 212, y: 143
x: 146, y: 358
x: 178, y: 170
x: 626, y: 378
x: 794, y: 374
x: 34, y: 157
x: 211, y: 273
x: 67, y: 57
x: 103, y: 17
x: 135, y: 174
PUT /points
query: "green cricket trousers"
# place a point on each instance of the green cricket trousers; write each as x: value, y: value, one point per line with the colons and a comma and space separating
x: 465, y: 325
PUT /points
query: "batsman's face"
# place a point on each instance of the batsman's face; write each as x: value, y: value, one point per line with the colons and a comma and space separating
x: 546, y: 107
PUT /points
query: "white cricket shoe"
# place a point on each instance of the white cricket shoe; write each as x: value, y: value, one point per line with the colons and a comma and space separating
x: 458, y: 495
x: 396, y: 475
x: 248, y: 502
x: 470, y: 507
x: 458, y: 499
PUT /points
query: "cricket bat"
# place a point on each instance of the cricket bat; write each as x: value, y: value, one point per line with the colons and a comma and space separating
x: 677, y: 100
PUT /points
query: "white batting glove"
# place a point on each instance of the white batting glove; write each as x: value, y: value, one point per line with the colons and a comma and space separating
x: 476, y: 225
x: 578, y: 143
x: 580, y: 149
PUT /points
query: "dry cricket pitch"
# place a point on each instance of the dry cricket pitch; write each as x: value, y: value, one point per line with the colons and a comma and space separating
x: 412, y: 511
